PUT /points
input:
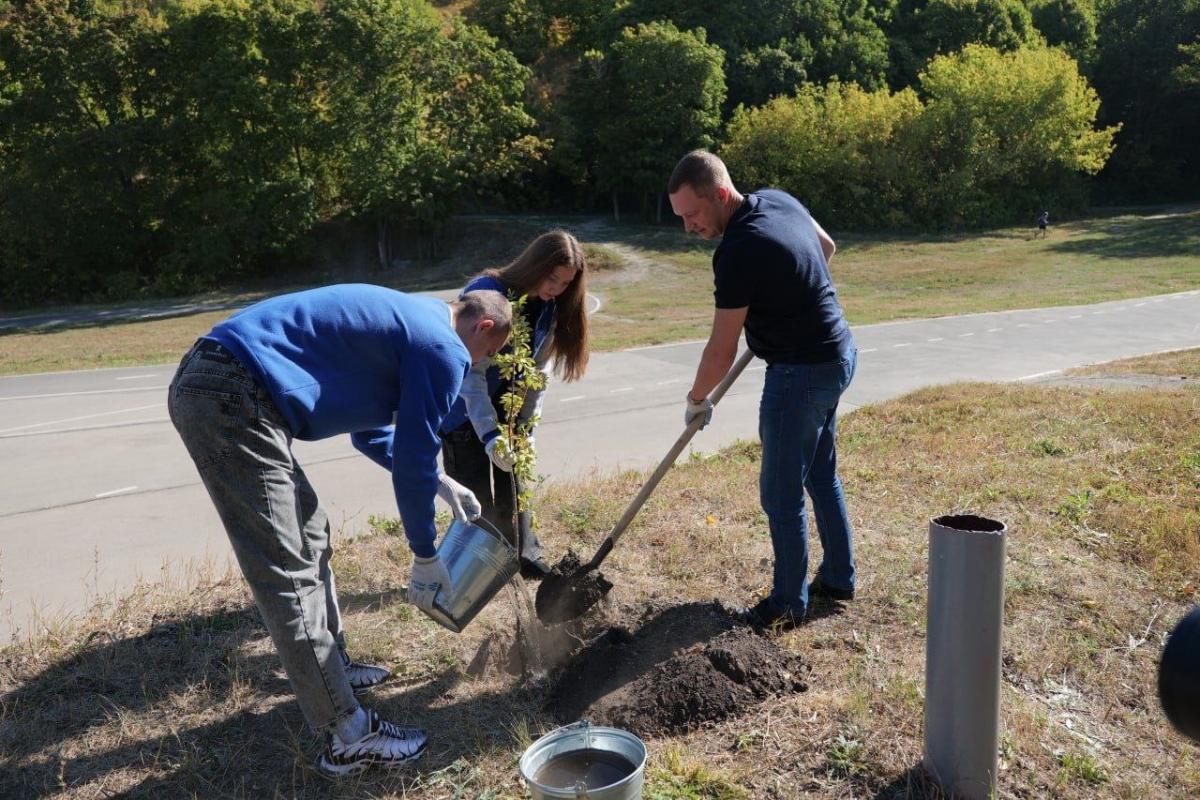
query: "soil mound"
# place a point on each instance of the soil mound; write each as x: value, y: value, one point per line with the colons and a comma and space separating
x: 684, y: 666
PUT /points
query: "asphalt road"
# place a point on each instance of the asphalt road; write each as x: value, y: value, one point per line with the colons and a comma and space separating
x: 96, y: 491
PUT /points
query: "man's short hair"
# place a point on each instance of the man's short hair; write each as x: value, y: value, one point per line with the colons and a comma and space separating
x: 701, y: 170
x: 487, y: 305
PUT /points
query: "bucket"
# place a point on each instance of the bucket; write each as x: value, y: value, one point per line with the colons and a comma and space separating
x: 480, y: 562
x: 585, y: 762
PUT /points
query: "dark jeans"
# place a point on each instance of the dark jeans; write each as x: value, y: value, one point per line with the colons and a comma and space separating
x: 798, y: 427
x: 466, y: 460
x: 241, y: 446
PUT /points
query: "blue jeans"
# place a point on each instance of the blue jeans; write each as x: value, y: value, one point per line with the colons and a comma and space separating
x: 280, y: 534
x: 797, y: 423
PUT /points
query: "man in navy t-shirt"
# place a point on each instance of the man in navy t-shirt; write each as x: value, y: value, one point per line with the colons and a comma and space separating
x: 349, y: 359
x: 771, y: 272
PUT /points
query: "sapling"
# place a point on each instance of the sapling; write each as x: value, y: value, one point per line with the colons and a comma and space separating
x: 519, y: 369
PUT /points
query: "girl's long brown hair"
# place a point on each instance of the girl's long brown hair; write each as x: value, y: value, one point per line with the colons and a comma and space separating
x: 557, y: 248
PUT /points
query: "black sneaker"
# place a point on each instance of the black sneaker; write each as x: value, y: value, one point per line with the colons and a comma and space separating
x: 766, y: 617
x: 817, y: 588
x: 385, y: 745
x: 534, y: 569
x: 363, y: 677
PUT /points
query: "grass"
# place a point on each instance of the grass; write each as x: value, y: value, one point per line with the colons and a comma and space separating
x: 883, y: 278
x: 656, y: 283
x: 174, y: 691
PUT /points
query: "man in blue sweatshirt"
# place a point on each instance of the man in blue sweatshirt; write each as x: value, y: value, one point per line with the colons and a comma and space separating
x: 341, y: 359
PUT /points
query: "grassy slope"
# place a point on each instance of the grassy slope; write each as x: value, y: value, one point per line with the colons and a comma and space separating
x: 664, y: 292
x: 178, y: 693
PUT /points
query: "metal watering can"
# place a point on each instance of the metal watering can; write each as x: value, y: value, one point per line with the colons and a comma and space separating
x: 480, y: 562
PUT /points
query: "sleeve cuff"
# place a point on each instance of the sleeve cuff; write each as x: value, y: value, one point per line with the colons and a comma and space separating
x: 492, y: 434
x: 423, y: 549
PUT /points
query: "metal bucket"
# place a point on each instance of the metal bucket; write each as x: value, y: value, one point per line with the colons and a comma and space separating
x: 622, y: 758
x: 480, y: 562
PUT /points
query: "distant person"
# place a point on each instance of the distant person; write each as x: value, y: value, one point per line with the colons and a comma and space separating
x: 771, y: 272
x: 311, y: 365
x: 551, y: 274
x: 1042, y: 221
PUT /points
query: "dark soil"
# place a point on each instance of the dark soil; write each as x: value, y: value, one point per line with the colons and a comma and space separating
x: 684, y: 666
x: 566, y: 593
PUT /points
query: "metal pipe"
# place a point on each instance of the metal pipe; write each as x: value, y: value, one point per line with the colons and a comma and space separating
x: 962, y: 654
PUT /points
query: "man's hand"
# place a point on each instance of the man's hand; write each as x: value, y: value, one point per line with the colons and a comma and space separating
x: 500, y: 454
x: 462, y: 501
x: 698, y: 408
x: 428, y: 576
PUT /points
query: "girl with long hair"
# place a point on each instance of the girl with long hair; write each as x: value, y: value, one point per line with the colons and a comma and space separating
x: 551, y: 274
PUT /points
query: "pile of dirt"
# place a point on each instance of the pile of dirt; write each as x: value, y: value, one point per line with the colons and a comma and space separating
x: 684, y: 666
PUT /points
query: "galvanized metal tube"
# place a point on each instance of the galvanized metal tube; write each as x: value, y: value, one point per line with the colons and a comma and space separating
x: 962, y: 654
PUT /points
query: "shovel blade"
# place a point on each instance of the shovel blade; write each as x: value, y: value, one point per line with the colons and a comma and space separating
x: 569, y: 591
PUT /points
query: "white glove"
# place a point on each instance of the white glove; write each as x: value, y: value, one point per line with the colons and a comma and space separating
x: 703, y: 408
x: 500, y: 455
x: 428, y: 576
x: 462, y: 501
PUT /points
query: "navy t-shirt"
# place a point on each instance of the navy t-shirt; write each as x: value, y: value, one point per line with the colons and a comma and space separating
x: 770, y: 261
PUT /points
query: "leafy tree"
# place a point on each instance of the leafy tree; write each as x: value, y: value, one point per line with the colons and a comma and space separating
x: 923, y: 29
x: 636, y: 110
x: 998, y: 134
x: 847, y: 153
x: 1009, y: 132
x: 1145, y: 51
x: 1070, y: 24
x: 825, y: 39
x: 521, y: 26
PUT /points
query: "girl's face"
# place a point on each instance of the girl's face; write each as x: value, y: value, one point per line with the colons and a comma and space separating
x: 556, y: 282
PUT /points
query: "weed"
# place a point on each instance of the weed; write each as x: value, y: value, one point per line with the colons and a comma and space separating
x: 845, y: 756
x: 679, y: 778
x: 1081, y: 766
x: 1048, y: 447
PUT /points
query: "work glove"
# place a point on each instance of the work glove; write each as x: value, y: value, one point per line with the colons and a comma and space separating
x: 702, y: 408
x: 501, y: 455
x: 462, y: 501
x: 428, y: 576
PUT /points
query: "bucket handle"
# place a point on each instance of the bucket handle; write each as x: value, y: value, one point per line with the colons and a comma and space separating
x: 480, y: 522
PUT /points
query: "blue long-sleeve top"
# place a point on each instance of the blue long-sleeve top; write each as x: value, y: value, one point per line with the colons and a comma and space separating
x: 483, y: 386
x: 355, y: 359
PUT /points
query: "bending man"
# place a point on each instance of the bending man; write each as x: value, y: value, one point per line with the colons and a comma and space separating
x: 311, y: 365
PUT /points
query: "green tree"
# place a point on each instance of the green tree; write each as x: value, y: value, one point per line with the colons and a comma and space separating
x: 923, y: 29
x: 1069, y: 24
x: 849, y: 154
x: 1144, y: 49
x: 521, y: 26
x: 1009, y: 132
x: 636, y: 110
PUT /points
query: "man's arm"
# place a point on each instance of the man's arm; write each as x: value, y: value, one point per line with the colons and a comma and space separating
x: 827, y: 245
x: 719, y: 352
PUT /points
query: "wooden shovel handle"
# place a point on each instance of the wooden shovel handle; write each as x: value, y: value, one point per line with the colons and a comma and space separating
x: 668, y: 460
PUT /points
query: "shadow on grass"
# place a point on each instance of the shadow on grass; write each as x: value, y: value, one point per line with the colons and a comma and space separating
x: 912, y: 784
x: 182, y: 711
x: 1154, y: 236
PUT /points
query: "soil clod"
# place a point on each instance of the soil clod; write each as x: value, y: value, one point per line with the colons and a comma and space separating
x: 569, y: 592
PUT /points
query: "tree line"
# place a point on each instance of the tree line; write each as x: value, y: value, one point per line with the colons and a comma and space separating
x: 163, y: 146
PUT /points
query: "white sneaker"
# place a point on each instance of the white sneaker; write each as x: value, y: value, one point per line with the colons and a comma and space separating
x: 363, y: 677
x: 385, y: 745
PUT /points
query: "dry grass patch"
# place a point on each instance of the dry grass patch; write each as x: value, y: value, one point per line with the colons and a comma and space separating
x: 1179, y: 363
x: 180, y: 695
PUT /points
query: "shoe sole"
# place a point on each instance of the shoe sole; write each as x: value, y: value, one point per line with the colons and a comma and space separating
x: 342, y: 770
x: 359, y: 691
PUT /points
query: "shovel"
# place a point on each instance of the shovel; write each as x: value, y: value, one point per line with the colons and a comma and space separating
x: 571, y: 589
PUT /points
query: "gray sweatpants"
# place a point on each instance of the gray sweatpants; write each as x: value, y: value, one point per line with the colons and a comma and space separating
x: 279, y: 532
